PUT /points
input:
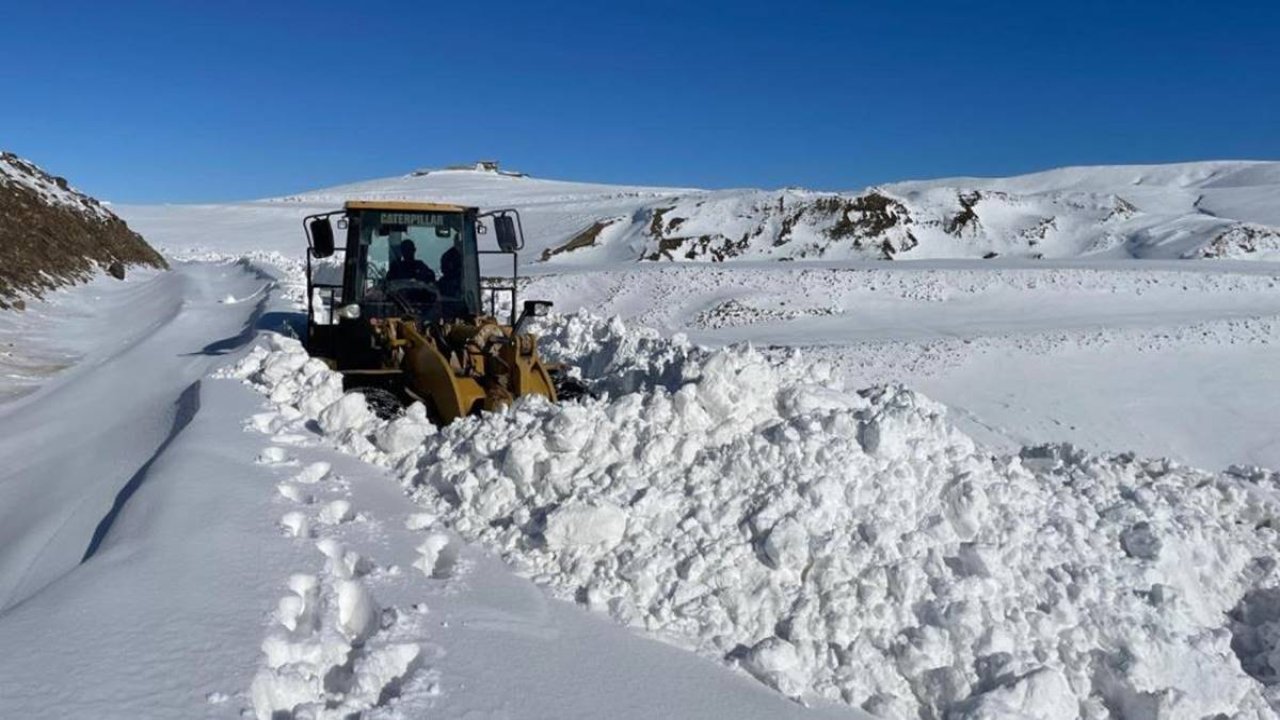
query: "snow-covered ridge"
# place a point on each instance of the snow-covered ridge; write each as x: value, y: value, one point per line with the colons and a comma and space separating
x: 51, y: 189
x: 848, y: 544
x: 1186, y: 210
x: 53, y: 235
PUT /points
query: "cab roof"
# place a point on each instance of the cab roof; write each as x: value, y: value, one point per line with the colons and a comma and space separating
x: 401, y: 206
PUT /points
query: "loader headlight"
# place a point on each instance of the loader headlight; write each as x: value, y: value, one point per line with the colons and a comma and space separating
x: 349, y: 312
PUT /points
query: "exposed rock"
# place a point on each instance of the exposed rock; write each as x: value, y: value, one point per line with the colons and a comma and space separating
x: 799, y: 224
x: 967, y: 218
x: 586, y: 238
x: 116, y: 270
x: 1241, y: 240
x: 52, y: 235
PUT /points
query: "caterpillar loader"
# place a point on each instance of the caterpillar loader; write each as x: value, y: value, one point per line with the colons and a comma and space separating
x: 401, y: 314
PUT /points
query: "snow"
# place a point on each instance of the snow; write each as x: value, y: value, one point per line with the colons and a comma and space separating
x: 1176, y: 352
x: 1111, y: 212
x: 850, y: 545
x: 213, y: 595
x: 54, y: 191
x: 764, y: 504
x: 585, y: 526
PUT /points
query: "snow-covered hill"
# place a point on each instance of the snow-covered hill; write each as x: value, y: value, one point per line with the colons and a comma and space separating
x: 1188, y: 210
x: 51, y: 234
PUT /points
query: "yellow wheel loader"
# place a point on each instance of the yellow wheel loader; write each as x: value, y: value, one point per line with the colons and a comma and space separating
x: 401, y: 314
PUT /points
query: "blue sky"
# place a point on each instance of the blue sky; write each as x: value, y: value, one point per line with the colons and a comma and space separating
x: 178, y: 101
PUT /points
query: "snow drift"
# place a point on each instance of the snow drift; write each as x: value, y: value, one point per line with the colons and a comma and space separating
x: 846, y: 544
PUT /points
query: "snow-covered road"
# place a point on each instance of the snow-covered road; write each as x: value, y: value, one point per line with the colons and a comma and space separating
x: 73, y: 445
x: 221, y: 529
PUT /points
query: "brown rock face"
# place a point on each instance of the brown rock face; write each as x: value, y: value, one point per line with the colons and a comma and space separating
x: 52, y: 235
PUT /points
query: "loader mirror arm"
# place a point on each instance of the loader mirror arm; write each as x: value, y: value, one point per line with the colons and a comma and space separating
x: 532, y: 309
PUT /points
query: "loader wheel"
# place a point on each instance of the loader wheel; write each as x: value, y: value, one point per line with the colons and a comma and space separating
x: 384, y: 403
x: 569, y: 389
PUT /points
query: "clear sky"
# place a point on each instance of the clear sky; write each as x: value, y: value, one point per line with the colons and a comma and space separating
x: 191, y: 101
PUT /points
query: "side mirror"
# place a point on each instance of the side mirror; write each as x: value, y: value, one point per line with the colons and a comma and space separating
x: 537, y: 308
x: 505, y: 228
x: 532, y: 309
x: 321, y: 238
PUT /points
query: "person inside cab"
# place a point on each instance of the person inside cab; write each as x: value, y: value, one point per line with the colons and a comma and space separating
x: 409, y: 267
x: 451, y: 272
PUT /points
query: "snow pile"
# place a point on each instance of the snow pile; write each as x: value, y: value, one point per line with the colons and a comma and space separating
x: 851, y: 545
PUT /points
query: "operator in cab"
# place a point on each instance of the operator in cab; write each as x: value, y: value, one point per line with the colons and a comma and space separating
x: 409, y: 267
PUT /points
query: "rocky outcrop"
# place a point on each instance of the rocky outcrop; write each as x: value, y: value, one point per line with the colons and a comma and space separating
x: 783, y: 225
x: 1241, y: 241
x: 52, y: 235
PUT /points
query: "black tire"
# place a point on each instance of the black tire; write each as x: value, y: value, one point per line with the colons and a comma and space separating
x: 570, y: 389
x: 384, y: 403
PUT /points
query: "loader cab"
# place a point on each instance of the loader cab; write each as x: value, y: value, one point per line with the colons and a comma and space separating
x: 397, y: 259
x: 421, y: 262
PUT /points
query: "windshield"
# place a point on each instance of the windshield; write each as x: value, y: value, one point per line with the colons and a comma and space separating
x: 415, y: 264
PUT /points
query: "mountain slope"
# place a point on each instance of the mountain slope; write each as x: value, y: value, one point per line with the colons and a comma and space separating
x: 51, y: 234
x: 1187, y: 210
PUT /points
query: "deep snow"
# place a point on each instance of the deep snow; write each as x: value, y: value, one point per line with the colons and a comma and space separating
x: 802, y: 519
x: 846, y: 545
x: 198, y: 600
x: 1181, y: 351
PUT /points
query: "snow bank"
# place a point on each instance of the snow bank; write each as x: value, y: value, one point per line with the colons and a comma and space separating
x: 851, y: 545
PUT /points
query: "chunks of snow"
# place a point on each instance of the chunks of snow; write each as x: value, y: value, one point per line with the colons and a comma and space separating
x: 348, y: 412
x: 1140, y: 541
x: 420, y: 521
x: 274, y: 456
x: 787, y: 544
x: 437, y: 555
x: 847, y: 544
x: 599, y: 526
x: 313, y: 473
x: 1039, y: 695
x: 336, y: 512
x: 776, y: 663
x: 294, y: 493
x: 296, y: 524
x: 404, y: 433
x: 340, y: 562
x: 357, y: 611
x: 328, y: 661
